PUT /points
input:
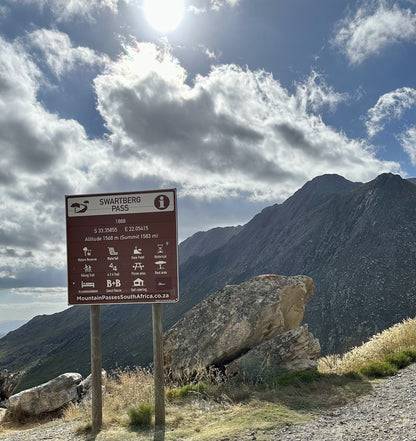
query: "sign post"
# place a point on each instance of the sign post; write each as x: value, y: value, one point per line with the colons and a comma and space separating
x: 122, y: 248
x: 158, y: 371
x: 96, y: 389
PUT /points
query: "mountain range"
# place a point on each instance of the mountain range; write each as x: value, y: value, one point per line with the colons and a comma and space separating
x: 356, y: 240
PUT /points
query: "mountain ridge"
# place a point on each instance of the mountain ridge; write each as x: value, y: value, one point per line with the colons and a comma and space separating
x: 344, y: 235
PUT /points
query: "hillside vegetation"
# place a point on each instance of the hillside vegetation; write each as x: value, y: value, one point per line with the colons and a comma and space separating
x: 212, y: 408
x: 380, y: 348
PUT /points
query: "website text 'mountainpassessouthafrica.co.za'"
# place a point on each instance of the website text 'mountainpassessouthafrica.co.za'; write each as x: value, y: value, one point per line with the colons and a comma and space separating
x: 106, y: 297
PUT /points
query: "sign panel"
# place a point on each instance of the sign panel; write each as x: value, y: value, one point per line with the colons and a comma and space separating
x: 122, y: 248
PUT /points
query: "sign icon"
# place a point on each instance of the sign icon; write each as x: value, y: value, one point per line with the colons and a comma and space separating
x: 137, y: 250
x: 112, y: 266
x: 111, y: 283
x: 160, y: 263
x: 160, y: 248
x: 138, y: 282
x: 112, y: 251
x: 80, y: 208
x: 87, y: 284
x: 161, y: 202
x: 87, y: 251
x: 138, y: 265
x: 87, y: 268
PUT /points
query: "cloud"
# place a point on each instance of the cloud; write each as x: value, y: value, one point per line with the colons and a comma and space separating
x: 65, y: 10
x: 314, y: 94
x: 218, y: 4
x: 24, y: 303
x: 4, y: 11
x: 59, y: 53
x: 408, y: 142
x: 232, y: 135
x: 51, y: 294
x: 231, y: 131
x: 202, y: 6
x: 389, y: 106
x: 374, y: 27
x: 42, y: 157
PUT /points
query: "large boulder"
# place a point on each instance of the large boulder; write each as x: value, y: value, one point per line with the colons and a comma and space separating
x: 234, y: 320
x: 47, y: 397
x: 293, y: 350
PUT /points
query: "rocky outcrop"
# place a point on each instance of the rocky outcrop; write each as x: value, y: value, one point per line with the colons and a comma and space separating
x: 84, y: 388
x: 294, y: 350
x: 47, y: 397
x: 235, y: 320
x: 8, y: 383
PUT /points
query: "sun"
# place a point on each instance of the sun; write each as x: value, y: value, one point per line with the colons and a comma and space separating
x: 164, y: 15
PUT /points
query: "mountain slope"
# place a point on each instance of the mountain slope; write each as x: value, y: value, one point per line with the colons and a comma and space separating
x: 203, y: 242
x: 359, y: 246
x: 357, y: 241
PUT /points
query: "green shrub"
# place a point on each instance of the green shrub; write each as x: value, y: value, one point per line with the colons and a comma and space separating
x: 183, y: 391
x: 400, y: 360
x: 411, y: 353
x: 140, y: 416
x: 378, y: 369
x: 352, y: 375
x: 295, y: 378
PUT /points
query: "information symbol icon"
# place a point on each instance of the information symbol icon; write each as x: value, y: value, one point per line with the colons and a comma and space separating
x: 161, y: 202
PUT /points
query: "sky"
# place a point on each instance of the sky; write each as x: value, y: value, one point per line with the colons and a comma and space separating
x: 236, y: 103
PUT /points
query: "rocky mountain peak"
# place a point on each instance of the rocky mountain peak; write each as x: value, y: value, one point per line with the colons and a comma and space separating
x: 318, y: 189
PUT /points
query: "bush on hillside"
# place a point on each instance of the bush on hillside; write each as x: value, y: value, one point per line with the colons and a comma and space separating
x: 399, y: 360
x: 378, y: 369
x: 140, y: 417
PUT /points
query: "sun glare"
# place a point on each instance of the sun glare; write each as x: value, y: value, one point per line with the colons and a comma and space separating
x: 164, y: 15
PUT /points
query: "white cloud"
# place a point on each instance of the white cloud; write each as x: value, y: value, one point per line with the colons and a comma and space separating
x: 233, y: 134
x: 59, y: 53
x: 70, y: 8
x: 202, y: 6
x: 375, y: 26
x: 232, y: 131
x: 314, y: 94
x: 42, y: 158
x: 28, y: 309
x: 209, y: 53
x: 67, y: 9
x: 408, y: 142
x: 4, y: 11
x: 45, y: 294
x: 389, y: 106
x: 218, y: 4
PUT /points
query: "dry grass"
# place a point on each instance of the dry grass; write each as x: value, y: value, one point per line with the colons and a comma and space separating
x: 399, y: 337
x: 123, y: 389
x: 224, y: 409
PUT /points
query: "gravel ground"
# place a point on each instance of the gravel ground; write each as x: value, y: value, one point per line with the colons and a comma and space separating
x: 53, y: 431
x: 389, y: 414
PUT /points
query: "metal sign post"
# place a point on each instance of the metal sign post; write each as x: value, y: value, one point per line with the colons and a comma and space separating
x: 96, y: 389
x: 159, y: 378
x: 123, y: 248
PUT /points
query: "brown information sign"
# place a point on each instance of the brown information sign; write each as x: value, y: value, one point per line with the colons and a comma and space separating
x: 122, y: 248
